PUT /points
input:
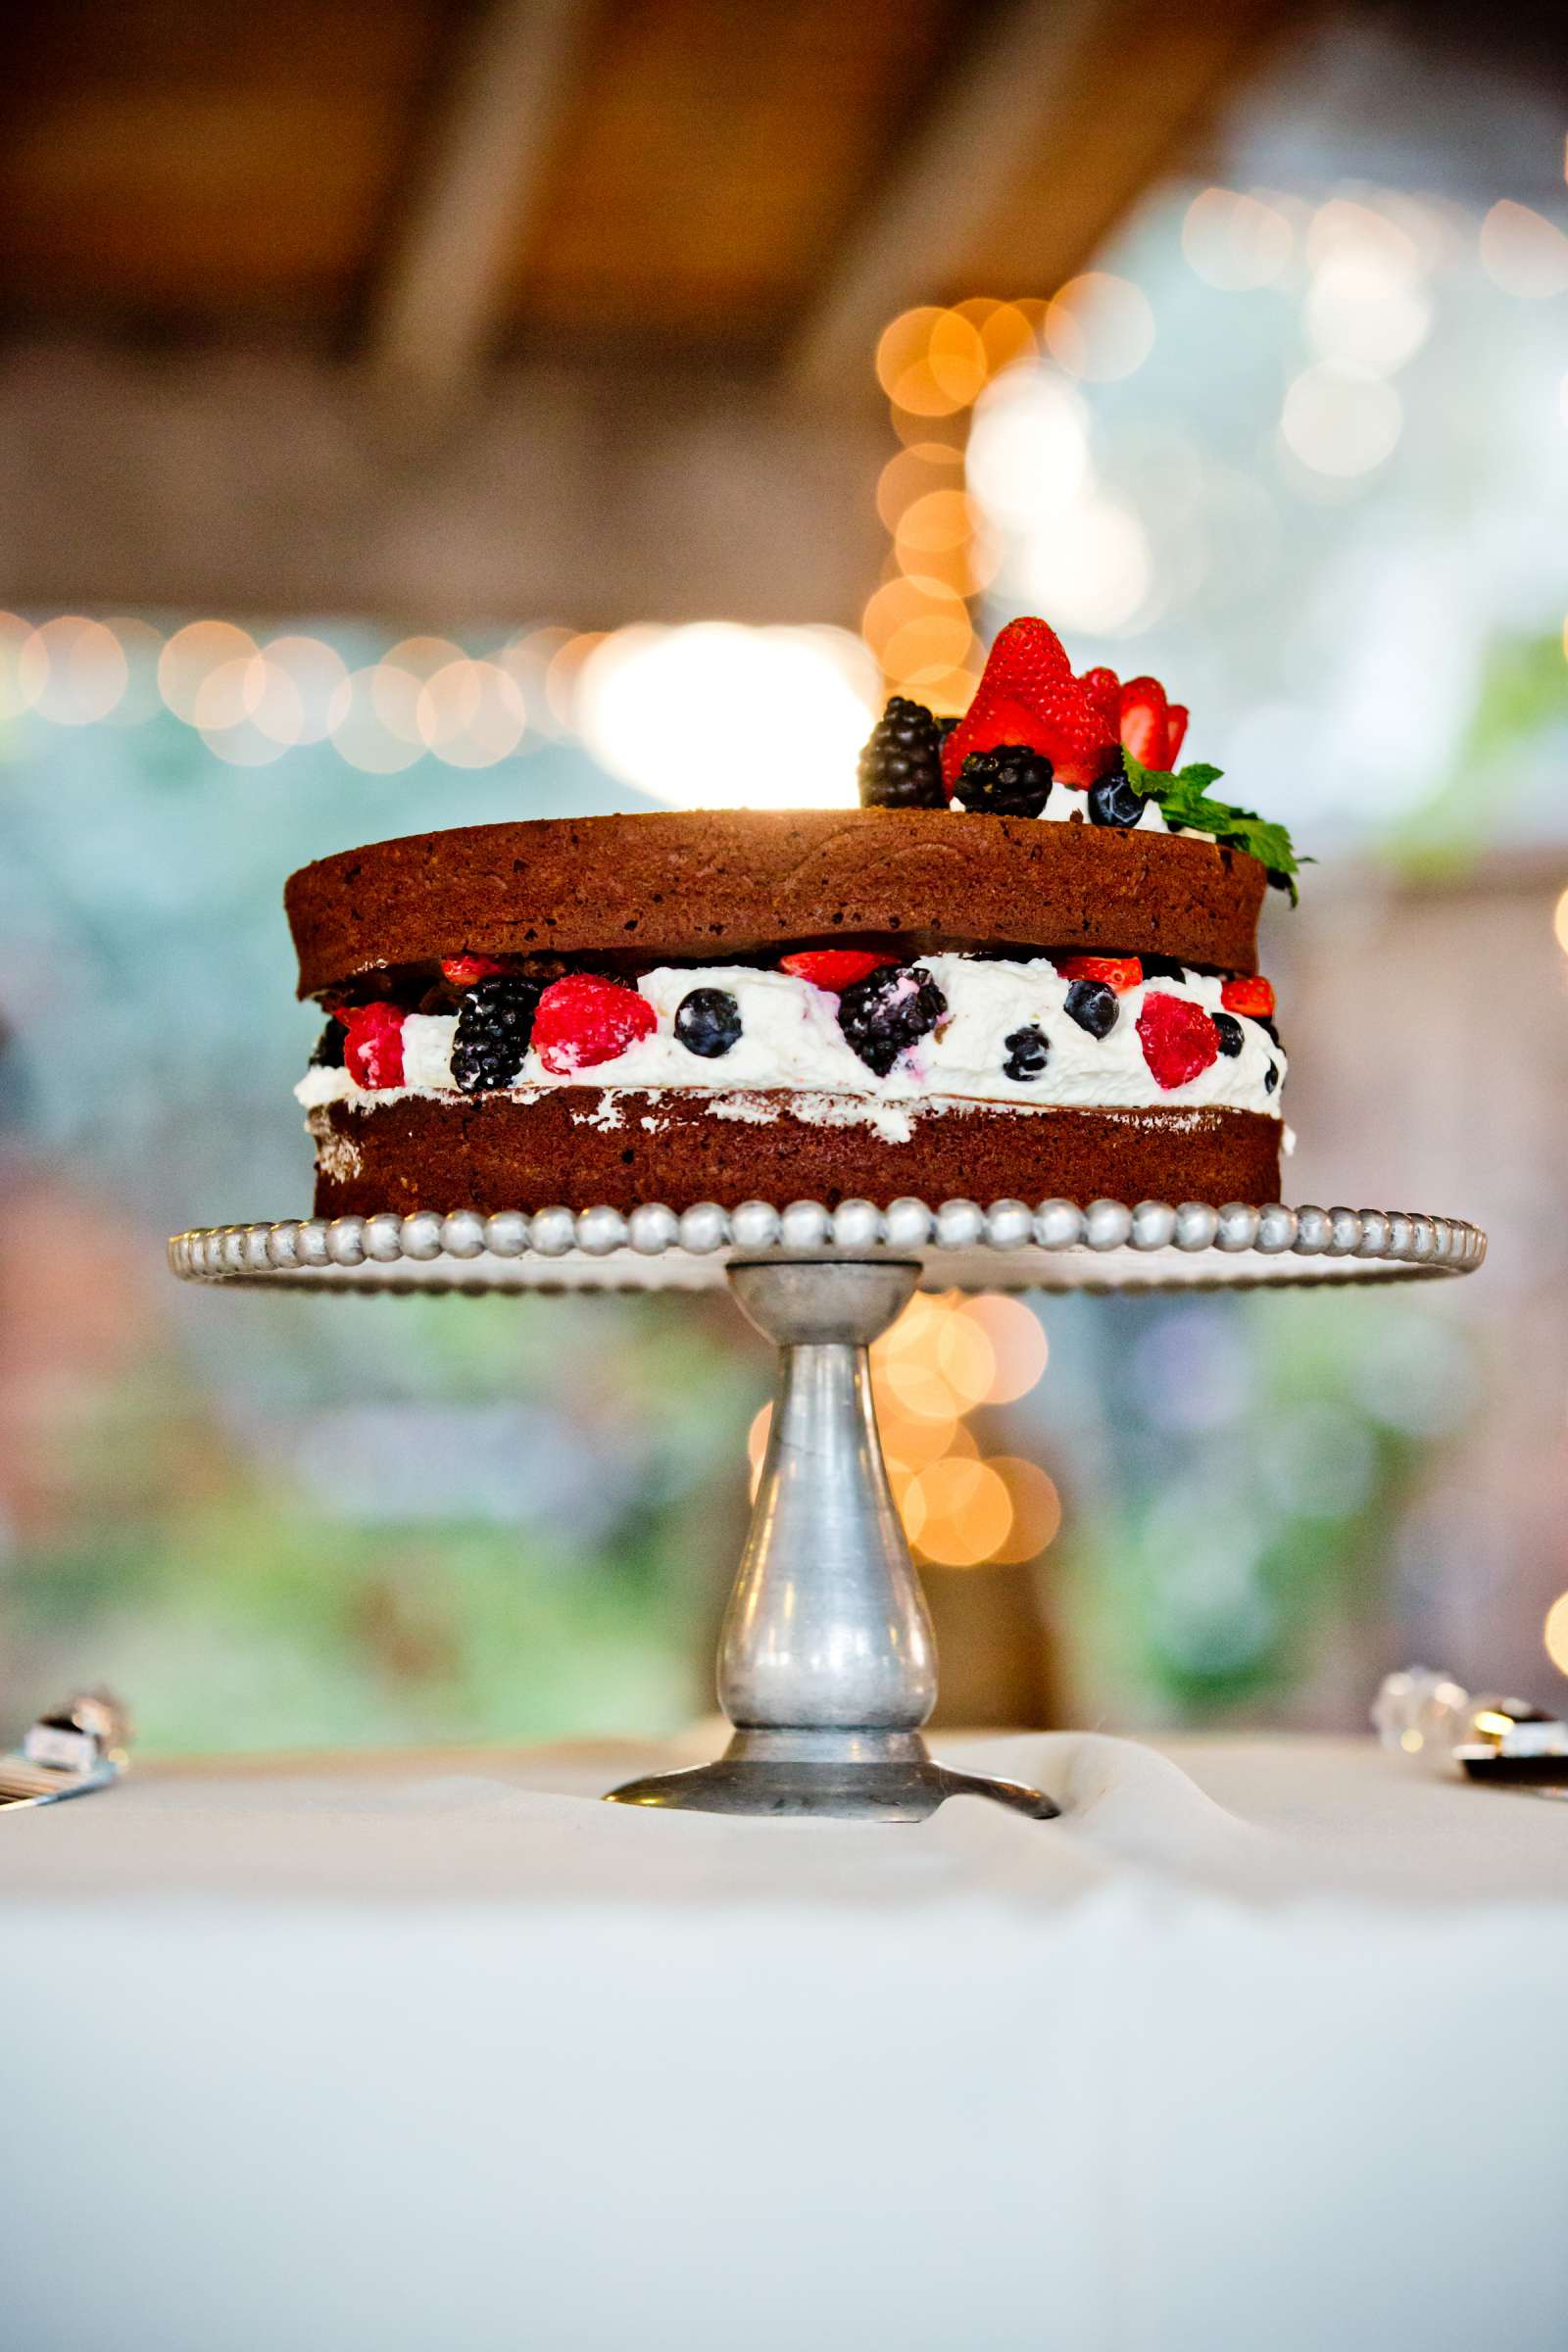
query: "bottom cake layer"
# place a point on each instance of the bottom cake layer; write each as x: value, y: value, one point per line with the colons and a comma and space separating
x: 580, y: 1145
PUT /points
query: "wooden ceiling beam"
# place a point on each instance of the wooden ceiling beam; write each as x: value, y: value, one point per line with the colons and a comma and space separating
x: 492, y: 142
x: 917, y: 236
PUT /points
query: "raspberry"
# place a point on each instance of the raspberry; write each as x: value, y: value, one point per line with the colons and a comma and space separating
x: 833, y: 969
x: 463, y: 970
x: 900, y: 766
x: 1178, y: 1037
x: 1254, y: 995
x: 1120, y: 972
x: 582, y: 1020
x: 372, y: 1043
x: 495, y: 1022
x: 1145, y: 722
x: 1028, y: 695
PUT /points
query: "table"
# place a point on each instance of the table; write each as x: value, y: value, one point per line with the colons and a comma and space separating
x: 1261, y: 2044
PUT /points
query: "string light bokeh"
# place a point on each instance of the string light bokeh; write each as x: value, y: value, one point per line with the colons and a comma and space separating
x: 946, y: 1358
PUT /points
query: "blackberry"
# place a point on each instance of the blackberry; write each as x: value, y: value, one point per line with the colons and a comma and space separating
x: 900, y: 766
x: 1093, y: 1007
x: 1230, y: 1033
x: 1013, y: 780
x: 886, y: 1011
x: 1028, y: 1052
x: 327, y: 1052
x: 495, y: 1022
x: 1114, y: 801
x: 707, y: 1021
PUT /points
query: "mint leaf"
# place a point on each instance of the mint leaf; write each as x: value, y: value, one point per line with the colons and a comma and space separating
x: 1184, y: 799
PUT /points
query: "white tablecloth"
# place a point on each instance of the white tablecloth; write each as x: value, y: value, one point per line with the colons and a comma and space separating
x: 1264, y: 2044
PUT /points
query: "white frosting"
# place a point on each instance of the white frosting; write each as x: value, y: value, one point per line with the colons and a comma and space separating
x: 790, y: 1039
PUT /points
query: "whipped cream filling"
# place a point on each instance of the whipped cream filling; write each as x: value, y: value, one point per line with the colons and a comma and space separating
x: 790, y: 1040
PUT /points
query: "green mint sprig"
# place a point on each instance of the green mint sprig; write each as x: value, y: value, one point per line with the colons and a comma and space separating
x: 1184, y: 799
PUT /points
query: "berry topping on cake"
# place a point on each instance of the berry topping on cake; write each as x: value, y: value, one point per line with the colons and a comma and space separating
x: 833, y: 969
x: 495, y: 1022
x: 582, y: 1020
x: 465, y: 969
x: 1103, y: 690
x: 1120, y: 972
x: 889, y: 1010
x: 1178, y: 1037
x: 372, y: 1043
x: 707, y: 1021
x: 1252, y: 994
x: 327, y: 1052
x: 1228, y: 1032
x: 1011, y: 781
x: 1093, y: 1007
x: 1115, y: 801
x: 1271, y: 1077
x: 900, y: 766
x: 1029, y: 695
x: 1145, y: 722
x: 1175, y: 731
x: 1028, y: 1052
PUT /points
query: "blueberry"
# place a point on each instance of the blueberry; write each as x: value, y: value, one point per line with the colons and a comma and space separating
x: 890, y: 1009
x: 707, y: 1022
x: 1028, y: 1052
x: 1271, y: 1077
x: 1114, y: 801
x: 1093, y: 1007
x: 1230, y: 1032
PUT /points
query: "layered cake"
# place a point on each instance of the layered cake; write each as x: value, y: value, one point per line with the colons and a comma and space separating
x: 1025, y: 967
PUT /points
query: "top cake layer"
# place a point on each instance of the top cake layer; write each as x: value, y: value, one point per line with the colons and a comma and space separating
x: 722, y: 883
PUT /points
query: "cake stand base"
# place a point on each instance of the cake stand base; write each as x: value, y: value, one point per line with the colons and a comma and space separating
x: 827, y: 1665
x: 857, y: 1776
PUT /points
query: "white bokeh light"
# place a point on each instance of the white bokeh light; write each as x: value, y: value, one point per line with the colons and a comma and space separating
x: 1363, y: 310
x: 714, y: 716
x: 1341, y: 421
x: 1028, y: 451
x: 1090, y: 567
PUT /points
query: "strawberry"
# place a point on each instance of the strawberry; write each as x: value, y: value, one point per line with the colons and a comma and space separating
x: 833, y: 969
x: 1251, y: 995
x: 1176, y: 731
x: 1120, y: 972
x: 1028, y: 695
x: 372, y: 1046
x: 1103, y: 690
x: 465, y: 969
x: 1178, y: 1037
x: 582, y: 1020
x: 1145, y: 723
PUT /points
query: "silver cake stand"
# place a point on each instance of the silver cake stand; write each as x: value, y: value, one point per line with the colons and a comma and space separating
x: 826, y: 1665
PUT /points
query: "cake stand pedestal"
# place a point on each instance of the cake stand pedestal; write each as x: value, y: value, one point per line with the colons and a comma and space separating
x: 826, y: 1665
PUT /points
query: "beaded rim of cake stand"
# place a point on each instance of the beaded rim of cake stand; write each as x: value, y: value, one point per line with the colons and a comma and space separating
x: 227, y: 1252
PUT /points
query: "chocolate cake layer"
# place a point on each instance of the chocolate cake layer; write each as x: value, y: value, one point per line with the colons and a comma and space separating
x: 727, y: 882
x: 580, y: 1145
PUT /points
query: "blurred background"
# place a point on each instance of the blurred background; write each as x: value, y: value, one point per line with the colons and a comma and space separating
x: 426, y: 413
